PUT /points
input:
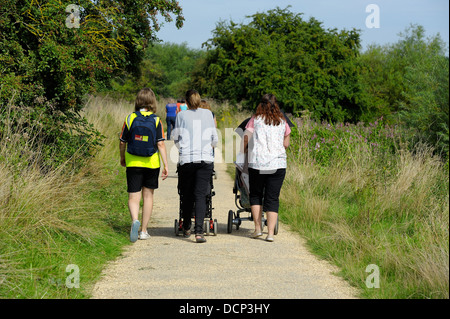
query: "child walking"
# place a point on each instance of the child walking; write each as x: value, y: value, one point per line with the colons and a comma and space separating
x: 141, y: 146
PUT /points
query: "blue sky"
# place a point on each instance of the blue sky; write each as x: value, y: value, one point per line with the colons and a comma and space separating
x: 394, y: 17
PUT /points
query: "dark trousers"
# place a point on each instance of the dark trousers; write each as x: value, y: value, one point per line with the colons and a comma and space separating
x: 194, y: 184
x: 170, y: 125
x: 265, y: 188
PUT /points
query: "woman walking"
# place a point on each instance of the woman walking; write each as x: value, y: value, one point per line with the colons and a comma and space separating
x: 195, y: 136
x: 266, y: 139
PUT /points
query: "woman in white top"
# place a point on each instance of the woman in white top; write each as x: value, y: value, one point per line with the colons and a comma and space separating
x: 266, y: 139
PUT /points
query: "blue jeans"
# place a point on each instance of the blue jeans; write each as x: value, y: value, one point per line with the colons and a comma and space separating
x: 170, y: 125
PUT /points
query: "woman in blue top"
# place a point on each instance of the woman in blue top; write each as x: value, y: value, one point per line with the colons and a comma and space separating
x: 171, y: 114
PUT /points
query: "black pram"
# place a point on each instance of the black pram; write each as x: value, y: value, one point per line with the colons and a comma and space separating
x: 210, y: 225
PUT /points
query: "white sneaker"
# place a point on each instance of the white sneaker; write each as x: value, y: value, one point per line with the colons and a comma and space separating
x: 143, y: 235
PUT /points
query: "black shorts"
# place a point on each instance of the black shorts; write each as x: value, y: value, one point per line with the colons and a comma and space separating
x: 265, y: 188
x: 138, y: 177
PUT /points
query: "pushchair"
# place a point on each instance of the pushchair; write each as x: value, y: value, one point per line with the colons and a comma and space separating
x: 241, y: 191
x: 242, y: 201
x: 210, y: 226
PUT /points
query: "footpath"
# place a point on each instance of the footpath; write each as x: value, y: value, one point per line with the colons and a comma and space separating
x: 227, y: 266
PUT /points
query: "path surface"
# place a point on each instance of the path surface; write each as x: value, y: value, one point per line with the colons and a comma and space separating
x: 227, y: 266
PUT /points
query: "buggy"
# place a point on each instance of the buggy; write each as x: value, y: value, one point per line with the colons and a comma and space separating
x: 242, y: 201
x: 210, y: 226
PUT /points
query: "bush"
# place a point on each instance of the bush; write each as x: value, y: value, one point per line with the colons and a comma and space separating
x: 47, y: 68
x: 303, y: 64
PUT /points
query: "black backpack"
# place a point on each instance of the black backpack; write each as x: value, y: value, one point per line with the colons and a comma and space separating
x: 143, y: 135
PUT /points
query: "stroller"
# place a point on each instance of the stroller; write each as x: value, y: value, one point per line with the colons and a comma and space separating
x: 210, y: 226
x: 242, y: 200
x: 241, y: 191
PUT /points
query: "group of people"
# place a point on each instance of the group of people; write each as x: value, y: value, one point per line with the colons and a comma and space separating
x: 172, y: 109
x: 194, y: 133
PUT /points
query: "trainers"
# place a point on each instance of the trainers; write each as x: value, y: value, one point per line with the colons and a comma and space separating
x: 270, y: 239
x: 143, y: 235
x: 134, y: 230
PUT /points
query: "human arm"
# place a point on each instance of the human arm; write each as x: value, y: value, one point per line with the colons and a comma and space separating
x: 162, y: 151
x: 122, y: 148
x: 287, y: 135
x: 123, y: 144
x: 286, y: 141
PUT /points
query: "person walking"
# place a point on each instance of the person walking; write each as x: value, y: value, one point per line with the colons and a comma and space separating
x: 195, y: 136
x: 266, y: 138
x: 141, y: 146
x: 171, y: 114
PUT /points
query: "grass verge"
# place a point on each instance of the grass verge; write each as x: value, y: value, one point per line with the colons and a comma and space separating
x: 58, y: 225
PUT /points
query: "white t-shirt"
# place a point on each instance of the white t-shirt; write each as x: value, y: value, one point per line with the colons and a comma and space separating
x: 266, y: 150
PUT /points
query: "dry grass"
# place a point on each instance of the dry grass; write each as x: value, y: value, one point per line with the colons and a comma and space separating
x: 40, y: 210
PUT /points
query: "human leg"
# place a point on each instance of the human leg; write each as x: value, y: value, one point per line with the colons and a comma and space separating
x: 133, y: 206
x: 147, y: 207
x: 185, y: 178
x: 203, y: 176
x: 170, y: 120
x: 256, y: 185
x: 272, y: 191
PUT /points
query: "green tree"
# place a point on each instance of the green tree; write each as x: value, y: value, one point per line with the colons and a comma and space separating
x: 409, y: 81
x: 303, y: 64
x: 51, y: 58
x: 165, y: 67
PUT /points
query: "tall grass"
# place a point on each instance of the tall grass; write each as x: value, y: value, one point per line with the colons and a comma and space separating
x: 50, y: 218
x: 361, y: 196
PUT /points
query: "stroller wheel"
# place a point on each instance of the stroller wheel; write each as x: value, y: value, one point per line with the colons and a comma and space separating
x: 215, y: 227
x: 206, y: 227
x: 230, y: 222
x: 177, y: 228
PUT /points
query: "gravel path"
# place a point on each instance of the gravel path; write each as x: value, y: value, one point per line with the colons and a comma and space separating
x: 227, y: 266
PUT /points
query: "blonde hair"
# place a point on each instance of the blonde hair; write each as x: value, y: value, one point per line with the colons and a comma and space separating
x: 145, y: 99
x: 193, y: 99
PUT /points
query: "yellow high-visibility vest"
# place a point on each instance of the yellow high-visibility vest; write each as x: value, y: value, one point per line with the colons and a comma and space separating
x: 141, y: 161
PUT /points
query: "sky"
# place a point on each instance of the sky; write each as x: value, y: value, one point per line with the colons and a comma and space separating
x: 381, y: 24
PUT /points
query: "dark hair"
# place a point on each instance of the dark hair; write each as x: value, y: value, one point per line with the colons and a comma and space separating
x: 269, y: 110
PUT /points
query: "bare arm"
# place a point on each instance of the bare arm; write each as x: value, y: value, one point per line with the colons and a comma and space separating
x: 163, y: 153
x: 286, y: 141
x: 122, y: 148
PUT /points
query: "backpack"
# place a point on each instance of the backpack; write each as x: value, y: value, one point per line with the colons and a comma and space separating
x: 143, y: 135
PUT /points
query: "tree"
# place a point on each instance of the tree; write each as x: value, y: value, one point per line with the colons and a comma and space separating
x: 304, y: 65
x: 409, y: 81
x: 165, y: 68
x: 53, y: 53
